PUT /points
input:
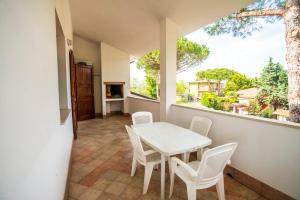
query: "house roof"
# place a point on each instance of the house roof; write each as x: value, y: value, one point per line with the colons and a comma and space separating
x: 250, y: 93
x: 133, y: 26
x: 281, y: 112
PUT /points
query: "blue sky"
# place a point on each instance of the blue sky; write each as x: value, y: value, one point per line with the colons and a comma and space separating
x: 247, y: 56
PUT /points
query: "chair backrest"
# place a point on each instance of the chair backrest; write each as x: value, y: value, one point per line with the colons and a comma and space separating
x: 142, y: 118
x: 201, y: 125
x: 136, y: 144
x: 214, y: 161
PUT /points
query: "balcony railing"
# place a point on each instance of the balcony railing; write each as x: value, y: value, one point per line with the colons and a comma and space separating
x: 268, y: 149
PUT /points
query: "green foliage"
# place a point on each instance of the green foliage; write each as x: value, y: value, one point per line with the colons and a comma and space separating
x: 230, y: 97
x: 190, y: 97
x: 138, y: 87
x: 254, y: 107
x: 236, y: 81
x: 182, y: 101
x: 151, y: 86
x: 274, y: 85
x: 218, y: 74
x: 189, y: 54
x: 267, y: 113
x: 228, y: 100
x: 150, y: 61
x: 181, y: 88
x: 245, y: 26
x: 239, y: 82
x: 211, y: 100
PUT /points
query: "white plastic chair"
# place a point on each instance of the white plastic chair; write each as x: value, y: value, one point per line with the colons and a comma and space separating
x: 142, y: 117
x: 205, y: 173
x: 202, y: 126
x: 148, y: 158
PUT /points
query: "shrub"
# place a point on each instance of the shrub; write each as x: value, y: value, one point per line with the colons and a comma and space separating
x: 211, y: 100
x: 254, y: 107
x: 267, y: 113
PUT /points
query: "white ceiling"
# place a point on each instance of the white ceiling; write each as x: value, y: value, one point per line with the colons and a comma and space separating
x: 133, y: 25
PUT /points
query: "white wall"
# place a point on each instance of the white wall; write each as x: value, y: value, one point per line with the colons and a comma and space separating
x: 137, y: 104
x: 86, y: 50
x: 114, y: 67
x: 267, y: 151
x: 34, y: 147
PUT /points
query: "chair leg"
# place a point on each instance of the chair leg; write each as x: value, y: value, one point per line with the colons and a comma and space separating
x: 147, y: 176
x: 199, y: 154
x: 220, y: 189
x: 172, y: 177
x: 133, y: 166
x: 191, y: 191
x: 185, y: 157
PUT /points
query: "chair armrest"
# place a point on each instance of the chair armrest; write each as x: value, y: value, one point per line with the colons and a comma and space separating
x: 148, y: 152
x: 205, y: 149
x: 176, y: 161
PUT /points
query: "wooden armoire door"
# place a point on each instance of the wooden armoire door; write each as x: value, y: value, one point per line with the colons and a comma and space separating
x: 85, y: 92
x: 73, y: 93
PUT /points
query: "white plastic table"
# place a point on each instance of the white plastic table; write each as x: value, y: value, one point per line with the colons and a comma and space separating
x: 169, y: 140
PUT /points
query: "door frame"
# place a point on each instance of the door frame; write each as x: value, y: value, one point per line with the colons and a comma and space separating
x: 73, y: 83
x: 92, y: 88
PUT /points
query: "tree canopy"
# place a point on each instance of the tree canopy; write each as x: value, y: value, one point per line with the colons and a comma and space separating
x: 189, y: 54
x: 217, y: 74
x: 239, y: 82
x: 181, y: 88
x: 274, y: 85
x: 246, y: 21
x: 235, y: 80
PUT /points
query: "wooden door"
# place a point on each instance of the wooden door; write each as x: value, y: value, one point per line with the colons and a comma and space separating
x: 73, y: 92
x: 85, y: 92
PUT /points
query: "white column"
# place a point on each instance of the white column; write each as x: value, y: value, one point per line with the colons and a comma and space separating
x: 168, y: 37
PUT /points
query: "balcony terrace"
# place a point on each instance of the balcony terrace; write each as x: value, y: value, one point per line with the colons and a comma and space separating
x: 43, y: 45
x: 101, y: 164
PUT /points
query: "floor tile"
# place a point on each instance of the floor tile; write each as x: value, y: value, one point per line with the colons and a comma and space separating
x: 124, y: 178
x: 116, y: 188
x: 90, y: 194
x: 110, y: 175
x: 131, y: 193
x: 102, y: 184
x: 76, y: 190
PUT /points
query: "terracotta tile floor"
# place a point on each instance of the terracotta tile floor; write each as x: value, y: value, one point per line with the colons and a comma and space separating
x: 101, y: 166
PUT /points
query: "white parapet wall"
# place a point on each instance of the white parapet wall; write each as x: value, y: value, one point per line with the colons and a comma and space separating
x: 137, y: 104
x: 268, y: 149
